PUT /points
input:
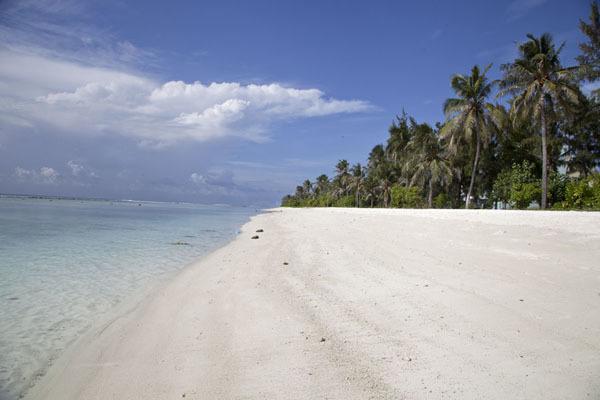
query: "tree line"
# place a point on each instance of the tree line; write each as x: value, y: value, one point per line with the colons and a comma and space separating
x: 531, y: 137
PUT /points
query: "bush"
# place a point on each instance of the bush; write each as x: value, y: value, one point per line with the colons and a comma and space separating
x: 518, y: 186
x: 502, y: 186
x: 582, y: 194
x: 525, y: 187
x: 557, y: 187
x: 523, y: 194
x: 442, y: 200
x: 406, y: 197
x: 344, y: 201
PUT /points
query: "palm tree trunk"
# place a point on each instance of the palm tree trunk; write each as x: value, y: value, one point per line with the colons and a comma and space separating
x: 430, y: 194
x: 544, y: 161
x: 357, y: 197
x: 474, y: 171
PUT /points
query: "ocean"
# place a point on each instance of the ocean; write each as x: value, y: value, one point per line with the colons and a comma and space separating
x: 67, y: 264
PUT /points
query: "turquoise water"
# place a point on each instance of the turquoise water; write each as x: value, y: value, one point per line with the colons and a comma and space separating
x: 65, y: 264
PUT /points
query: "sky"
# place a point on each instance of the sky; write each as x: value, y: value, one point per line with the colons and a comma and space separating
x: 233, y: 102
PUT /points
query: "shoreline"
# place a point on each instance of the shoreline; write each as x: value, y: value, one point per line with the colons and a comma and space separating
x: 129, y: 305
x: 357, y: 312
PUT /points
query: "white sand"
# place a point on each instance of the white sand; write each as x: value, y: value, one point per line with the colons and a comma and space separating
x: 415, y: 304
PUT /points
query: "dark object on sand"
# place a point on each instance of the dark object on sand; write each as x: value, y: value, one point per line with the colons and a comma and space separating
x: 322, y: 339
x: 259, y: 230
x: 285, y: 263
x: 254, y: 237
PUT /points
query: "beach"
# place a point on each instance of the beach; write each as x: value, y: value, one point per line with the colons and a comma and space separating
x: 358, y: 304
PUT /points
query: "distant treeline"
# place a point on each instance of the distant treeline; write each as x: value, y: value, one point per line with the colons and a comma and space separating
x: 540, y: 145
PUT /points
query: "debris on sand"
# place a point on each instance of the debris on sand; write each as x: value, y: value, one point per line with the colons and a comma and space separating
x: 254, y: 237
x: 259, y: 230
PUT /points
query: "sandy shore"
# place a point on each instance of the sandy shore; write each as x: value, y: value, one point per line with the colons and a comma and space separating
x: 398, y: 304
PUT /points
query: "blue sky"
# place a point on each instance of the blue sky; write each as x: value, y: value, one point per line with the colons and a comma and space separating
x: 232, y: 102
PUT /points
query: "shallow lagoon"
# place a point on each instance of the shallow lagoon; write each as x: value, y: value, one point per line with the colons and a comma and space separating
x: 66, y: 264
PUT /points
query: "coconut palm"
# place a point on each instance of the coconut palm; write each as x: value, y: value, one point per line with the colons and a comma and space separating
x: 467, y: 116
x: 370, y: 190
x: 543, y: 89
x: 428, y: 163
x: 307, y: 188
x: 589, y: 59
x: 358, y: 177
x: 376, y: 158
x: 385, y: 178
x: 342, y: 178
x: 321, y: 184
x: 399, y: 137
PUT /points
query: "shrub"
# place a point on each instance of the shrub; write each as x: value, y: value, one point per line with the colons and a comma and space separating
x: 406, y: 197
x: 583, y: 194
x: 557, y: 187
x: 525, y: 187
x: 344, y: 201
x: 442, y: 200
x: 518, y: 186
x: 501, y: 187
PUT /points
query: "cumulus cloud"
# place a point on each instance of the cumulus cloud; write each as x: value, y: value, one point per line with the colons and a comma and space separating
x: 46, y: 175
x: 197, y: 178
x: 41, y: 92
x: 215, y: 177
x: 76, y: 169
x: 81, y: 171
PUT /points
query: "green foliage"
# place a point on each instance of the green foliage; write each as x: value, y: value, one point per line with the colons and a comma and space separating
x: 523, y: 194
x: 406, y: 197
x: 482, y: 151
x: 442, y: 200
x: 344, y: 201
x: 590, y: 50
x: 524, y: 187
x: 518, y: 186
x: 557, y: 187
x: 583, y: 194
x: 502, y: 187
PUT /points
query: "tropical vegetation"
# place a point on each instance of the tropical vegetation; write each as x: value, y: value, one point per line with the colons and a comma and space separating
x: 528, y: 139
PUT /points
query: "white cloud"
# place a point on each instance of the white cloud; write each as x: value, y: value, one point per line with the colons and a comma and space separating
x: 46, y: 175
x: 41, y: 92
x: 76, y: 169
x: 73, y: 78
x: 197, y: 178
x: 23, y: 173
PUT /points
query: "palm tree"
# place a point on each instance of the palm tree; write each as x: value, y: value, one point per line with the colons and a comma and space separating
x: 358, y: 177
x: 385, y: 178
x: 542, y: 89
x: 376, y: 158
x: 399, y: 137
x: 342, y: 178
x: 307, y: 188
x: 321, y: 184
x: 589, y: 59
x: 370, y: 190
x: 468, y: 116
x: 428, y: 162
